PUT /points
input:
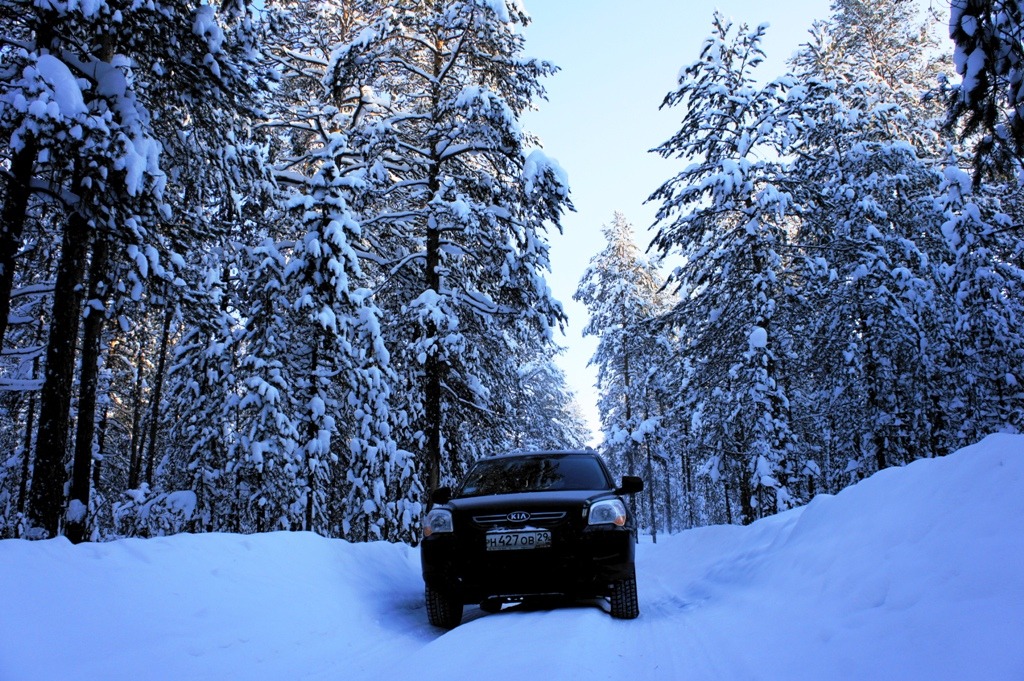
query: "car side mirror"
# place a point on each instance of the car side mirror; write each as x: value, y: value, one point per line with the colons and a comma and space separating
x: 441, y: 495
x: 631, y: 484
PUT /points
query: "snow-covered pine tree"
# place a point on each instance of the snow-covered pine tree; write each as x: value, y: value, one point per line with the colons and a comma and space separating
x: 982, y: 230
x: 222, y: 197
x: 265, y: 460
x: 346, y: 388
x: 96, y: 89
x: 863, y: 174
x: 623, y: 292
x: 546, y: 414
x: 987, y: 281
x: 313, y: 449
x: 205, y: 387
x: 988, y: 104
x: 357, y: 482
x: 725, y: 216
x: 90, y: 151
x: 454, y: 213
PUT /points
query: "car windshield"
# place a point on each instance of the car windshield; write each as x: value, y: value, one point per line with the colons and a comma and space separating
x: 534, y: 474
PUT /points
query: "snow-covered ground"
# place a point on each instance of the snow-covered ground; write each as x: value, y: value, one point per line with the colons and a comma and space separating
x: 915, y: 573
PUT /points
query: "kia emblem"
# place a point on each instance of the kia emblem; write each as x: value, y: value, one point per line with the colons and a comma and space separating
x: 518, y: 516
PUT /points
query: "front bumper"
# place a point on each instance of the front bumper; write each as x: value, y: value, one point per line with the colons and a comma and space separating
x: 582, y: 566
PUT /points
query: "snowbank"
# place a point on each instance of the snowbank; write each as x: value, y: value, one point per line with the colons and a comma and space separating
x: 914, y: 573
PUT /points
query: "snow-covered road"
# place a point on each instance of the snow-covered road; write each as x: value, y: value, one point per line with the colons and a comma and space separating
x: 912, y: 574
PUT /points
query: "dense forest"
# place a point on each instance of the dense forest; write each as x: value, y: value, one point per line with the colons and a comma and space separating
x: 846, y: 288
x: 283, y: 266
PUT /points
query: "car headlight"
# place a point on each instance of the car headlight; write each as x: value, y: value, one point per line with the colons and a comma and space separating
x: 438, y: 521
x: 608, y: 512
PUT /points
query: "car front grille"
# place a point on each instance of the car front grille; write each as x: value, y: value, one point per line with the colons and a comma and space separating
x: 535, y: 517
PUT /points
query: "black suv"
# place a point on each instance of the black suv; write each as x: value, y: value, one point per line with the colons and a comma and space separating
x: 536, y: 524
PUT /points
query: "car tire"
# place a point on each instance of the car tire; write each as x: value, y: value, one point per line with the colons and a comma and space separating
x: 625, y: 605
x: 443, y: 610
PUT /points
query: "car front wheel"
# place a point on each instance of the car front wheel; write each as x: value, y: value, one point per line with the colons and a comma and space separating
x: 625, y: 605
x: 443, y: 610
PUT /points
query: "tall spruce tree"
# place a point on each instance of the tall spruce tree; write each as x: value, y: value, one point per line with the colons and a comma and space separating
x: 865, y: 172
x: 455, y: 212
x: 623, y: 292
x: 546, y: 414
x: 93, y: 93
x: 726, y: 216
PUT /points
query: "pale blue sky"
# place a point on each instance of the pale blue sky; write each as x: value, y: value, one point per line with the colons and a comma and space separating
x: 619, y: 58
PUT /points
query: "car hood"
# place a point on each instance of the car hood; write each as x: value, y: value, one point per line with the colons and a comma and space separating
x: 527, y: 501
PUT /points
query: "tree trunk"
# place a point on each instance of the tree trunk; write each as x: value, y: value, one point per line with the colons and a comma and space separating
x: 158, y: 389
x: 749, y: 513
x: 26, y: 448
x: 135, y: 448
x: 627, y: 382
x: 651, y: 505
x: 311, y: 434
x: 99, y: 290
x: 878, y: 439
x: 47, y: 496
x: 434, y: 367
x: 12, y: 224
x: 691, y: 497
x: 669, y: 514
x: 101, y: 446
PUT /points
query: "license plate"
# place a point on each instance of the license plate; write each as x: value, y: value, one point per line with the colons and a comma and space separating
x: 511, y: 541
